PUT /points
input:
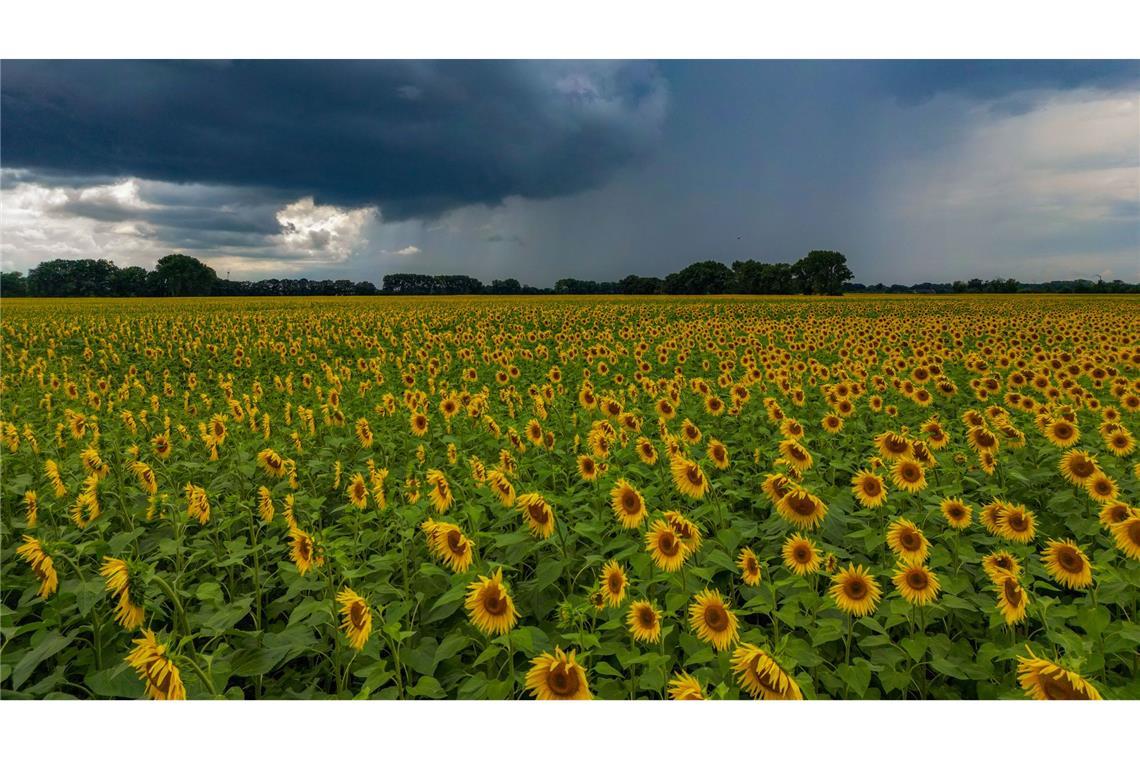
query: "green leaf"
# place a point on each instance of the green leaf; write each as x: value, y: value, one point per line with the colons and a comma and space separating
x: 49, y: 645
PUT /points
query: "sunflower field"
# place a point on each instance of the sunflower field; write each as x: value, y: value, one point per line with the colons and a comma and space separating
x: 571, y: 498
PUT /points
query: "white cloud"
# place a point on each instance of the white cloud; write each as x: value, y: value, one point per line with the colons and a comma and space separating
x: 322, y: 234
x: 409, y: 250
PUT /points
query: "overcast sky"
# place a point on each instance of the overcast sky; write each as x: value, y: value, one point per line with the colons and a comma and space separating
x: 539, y: 170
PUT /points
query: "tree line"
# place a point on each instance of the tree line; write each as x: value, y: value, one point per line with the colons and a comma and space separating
x: 820, y: 273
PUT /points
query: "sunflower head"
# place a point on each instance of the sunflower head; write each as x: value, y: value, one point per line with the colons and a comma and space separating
x: 644, y: 621
x: 684, y: 687
x: 957, y: 513
x: 749, y: 567
x: 907, y: 541
x: 855, y: 591
x: 801, y: 555
x: 712, y: 620
x: 628, y: 505
x: 1067, y: 564
x: 557, y: 676
x: 489, y: 605
x: 1046, y: 680
x: 761, y: 676
x: 613, y: 583
x: 916, y: 583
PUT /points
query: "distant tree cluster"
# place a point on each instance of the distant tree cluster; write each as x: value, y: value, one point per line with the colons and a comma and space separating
x: 1007, y: 285
x: 173, y: 275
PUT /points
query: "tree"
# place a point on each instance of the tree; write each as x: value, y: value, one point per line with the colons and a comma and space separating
x: 13, y: 284
x: 822, y: 273
x: 131, y: 282
x: 507, y: 287
x: 703, y: 277
x: 179, y: 275
x: 759, y: 278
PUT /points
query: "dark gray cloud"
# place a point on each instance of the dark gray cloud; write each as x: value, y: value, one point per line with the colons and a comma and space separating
x: 415, y: 138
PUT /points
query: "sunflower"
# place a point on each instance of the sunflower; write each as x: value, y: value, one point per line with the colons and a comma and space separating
x: 832, y: 423
x: 614, y: 583
x: 776, y: 487
x: 646, y: 451
x: 796, y: 455
x: 32, y: 552
x: 981, y: 438
x: 271, y: 462
x: 265, y: 504
x: 690, y: 432
x: 718, y: 453
x: 712, y: 620
x: 31, y: 508
x: 1114, y: 512
x: 958, y: 514
x: 418, y: 424
x: 991, y: 514
x: 1067, y: 564
x: 869, y: 489
x: 587, y: 468
x: 1062, y: 433
x: 1120, y: 442
x: 1127, y: 536
x: 302, y: 551
x: 1000, y: 563
x: 1102, y: 488
x: 539, y: 516
x: 357, y: 491
x: 689, y: 478
x: 489, y: 605
x: 146, y: 477
x: 1078, y: 466
x: 684, y: 687
x: 687, y: 530
x: 502, y: 488
x: 155, y: 667
x: 801, y: 555
x: 749, y: 567
x: 665, y: 546
x: 1011, y: 598
x: 161, y: 445
x: 644, y: 621
x: 1042, y: 679
x: 917, y: 584
x: 124, y: 585
x: 447, y: 542
x: 855, y: 591
x: 907, y: 541
x: 892, y: 446
x: 761, y: 676
x: 557, y: 676
x: 1017, y: 524
x: 440, y: 494
x: 908, y: 475
x: 356, y: 618
x: 802, y: 509
x: 628, y: 506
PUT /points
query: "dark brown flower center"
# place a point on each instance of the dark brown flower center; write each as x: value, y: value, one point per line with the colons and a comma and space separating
x: 716, y: 617
x: 563, y: 680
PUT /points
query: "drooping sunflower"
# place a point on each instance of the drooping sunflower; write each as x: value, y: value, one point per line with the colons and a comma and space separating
x: 628, y: 506
x: 440, y: 494
x: 684, y: 687
x: 712, y: 621
x: 1067, y: 564
x: 869, y: 489
x: 1017, y: 524
x: 1078, y: 466
x: 687, y: 530
x: 447, y: 542
x: 146, y: 477
x: 907, y: 541
x: 991, y: 514
x: 356, y: 618
x: 855, y: 591
x: 156, y: 669
x: 644, y: 622
x: 796, y: 455
x: 32, y: 552
x: 749, y: 567
x: 271, y: 462
x: 802, y: 509
x: 665, y: 546
x: 302, y: 551
x: 1101, y: 487
x: 801, y: 555
x: 557, y: 676
x: 501, y: 487
x: 1012, y: 600
x: 981, y: 438
x: 958, y: 514
x: 646, y: 451
x: 776, y: 487
x: 689, y: 478
x: 125, y: 586
x: 761, y: 676
x: 916, y: 583
x: 613, y: 583
x: 718, y: 453
x: 31, y: 508
x: 357, y: 491
x: 892, y: 446
x: 489, y: 605
x: 539, y: 516
x: 1114, y: 512
x: 1000, y: 563
x: 908, y: 475
x: 265, y: 508
x: 1045, y: 680
x: 1126, y: 534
